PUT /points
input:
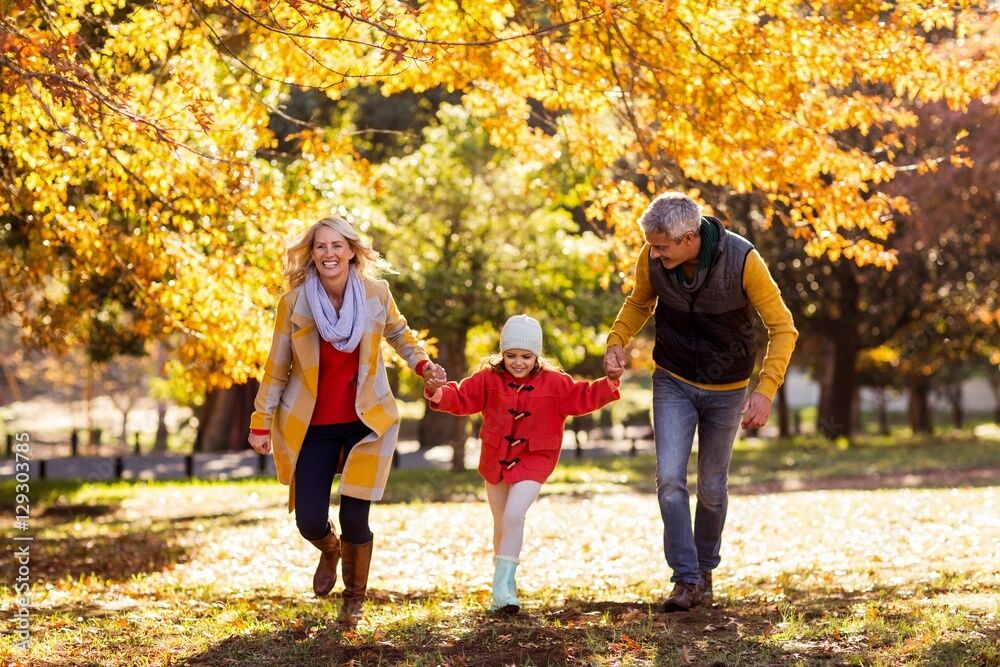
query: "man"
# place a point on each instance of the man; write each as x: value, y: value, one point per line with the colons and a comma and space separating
x: 703, y: 283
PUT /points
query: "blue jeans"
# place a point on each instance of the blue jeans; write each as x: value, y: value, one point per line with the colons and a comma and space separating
x: 679, y: 408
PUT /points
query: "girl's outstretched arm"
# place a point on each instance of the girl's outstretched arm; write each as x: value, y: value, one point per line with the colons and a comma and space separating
x: 467, y: 397
x: 583, y: 396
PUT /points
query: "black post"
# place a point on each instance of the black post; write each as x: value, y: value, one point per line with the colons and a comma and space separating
x: 119, y: 467
x: 189, y: 465
x: 41, y: 469
x: 262, y: 463
x: 395, y: 459
x: 10, y: 444
x: 138, y: 448
x: 74, y: 442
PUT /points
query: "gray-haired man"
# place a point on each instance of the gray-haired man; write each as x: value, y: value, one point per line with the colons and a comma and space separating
x: 703, y: 283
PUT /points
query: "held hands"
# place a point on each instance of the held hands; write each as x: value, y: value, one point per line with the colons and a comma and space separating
x: 435, y: 377
x: 614, y: 362
x: 260, y: 443
x: 756, y: 409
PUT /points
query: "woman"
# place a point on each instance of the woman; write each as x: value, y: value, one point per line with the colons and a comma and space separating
x: 324, y: 405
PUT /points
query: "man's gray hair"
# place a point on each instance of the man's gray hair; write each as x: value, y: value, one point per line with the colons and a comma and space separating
x: 673, y: 214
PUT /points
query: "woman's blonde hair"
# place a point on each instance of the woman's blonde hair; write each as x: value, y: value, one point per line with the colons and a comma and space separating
x: 298, y: 256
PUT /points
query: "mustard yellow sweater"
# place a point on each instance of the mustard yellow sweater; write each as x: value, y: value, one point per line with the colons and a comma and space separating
x: 764, y: 296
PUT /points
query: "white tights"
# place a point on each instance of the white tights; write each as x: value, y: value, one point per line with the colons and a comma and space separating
x: 509, y: 504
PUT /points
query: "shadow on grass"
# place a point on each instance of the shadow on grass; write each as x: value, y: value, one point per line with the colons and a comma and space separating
x: 115, y: 557
x: 76, y: 511
x: 808, y: 626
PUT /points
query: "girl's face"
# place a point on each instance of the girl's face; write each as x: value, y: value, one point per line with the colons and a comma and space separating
x: 519, y: 363
x: 331, y: 252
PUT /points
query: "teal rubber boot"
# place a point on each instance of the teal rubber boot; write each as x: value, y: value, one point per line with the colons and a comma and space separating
x: 504, y: 588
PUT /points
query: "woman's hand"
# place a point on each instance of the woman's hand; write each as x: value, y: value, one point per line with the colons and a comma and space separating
x: 435, y: 377
x: 260, y: 443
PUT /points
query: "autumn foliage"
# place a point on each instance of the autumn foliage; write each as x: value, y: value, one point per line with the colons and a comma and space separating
x: 144, y: 195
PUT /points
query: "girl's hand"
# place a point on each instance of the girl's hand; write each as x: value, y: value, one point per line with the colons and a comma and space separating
x: 431, y: 385
x: 260, y: 443
x: 435, y: 377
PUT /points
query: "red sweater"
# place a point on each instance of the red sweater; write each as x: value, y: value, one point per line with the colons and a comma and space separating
x: 523, y: 420
x: 337, y: 390
x: 337, y: 387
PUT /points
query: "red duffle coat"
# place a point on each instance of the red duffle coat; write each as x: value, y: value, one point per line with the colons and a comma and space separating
x: 523, y: 420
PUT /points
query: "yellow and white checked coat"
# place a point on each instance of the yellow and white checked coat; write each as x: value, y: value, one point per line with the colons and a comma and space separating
x: 287, y: 394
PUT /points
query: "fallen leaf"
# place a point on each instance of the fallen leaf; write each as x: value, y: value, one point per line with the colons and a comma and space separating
x: 631, y: 615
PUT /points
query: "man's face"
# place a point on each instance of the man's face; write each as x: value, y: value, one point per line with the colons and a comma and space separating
x: 672, y: 253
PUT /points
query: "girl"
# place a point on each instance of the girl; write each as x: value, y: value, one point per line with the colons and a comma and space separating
x: 525, y: 404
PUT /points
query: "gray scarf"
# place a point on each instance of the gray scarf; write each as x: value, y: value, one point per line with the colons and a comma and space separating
x: 343, y: 331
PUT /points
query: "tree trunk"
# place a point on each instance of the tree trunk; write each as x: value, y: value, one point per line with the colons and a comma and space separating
x: 954, y: 393
x: 994, y: 379
x: 224, y: 418
x: 439, y: 428
x: 93, y: 434
x: 918, y: 408
x: 882, y: 409
x: 784, y: 428
x: 839, y: 375
x: 161, y: 427
x: 856, y: 425
x: 160, y: 445
x: 123, y: 438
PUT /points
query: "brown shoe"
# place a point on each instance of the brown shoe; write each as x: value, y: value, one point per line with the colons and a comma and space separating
x: 356, y: 561
x: 684, y: 597
x: 326, y: 571
x: 706, y: 587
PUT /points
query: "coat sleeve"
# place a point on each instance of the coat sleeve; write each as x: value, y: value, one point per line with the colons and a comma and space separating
x: 781, y: 333
x: 276, y: 369
x: 584, y: 396
x: 467, y: 397
x: 400, y: 336
x: 639, y: 305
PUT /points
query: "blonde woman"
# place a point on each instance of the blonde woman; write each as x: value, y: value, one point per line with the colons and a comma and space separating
x: 324, y: 405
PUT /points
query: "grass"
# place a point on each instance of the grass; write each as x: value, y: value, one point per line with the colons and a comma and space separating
x: 903, y: 571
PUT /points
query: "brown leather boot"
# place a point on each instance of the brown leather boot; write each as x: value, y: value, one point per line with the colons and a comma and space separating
x: 356, y: 561
x: 706, y: 587
x: 684, y: 597
x: 326, y: 571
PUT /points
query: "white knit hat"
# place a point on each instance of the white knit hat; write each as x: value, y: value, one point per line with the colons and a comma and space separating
x: 521, y: 333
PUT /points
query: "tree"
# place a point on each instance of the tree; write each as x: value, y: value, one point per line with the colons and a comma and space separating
x: 939, y: 303
x: 139, y: 172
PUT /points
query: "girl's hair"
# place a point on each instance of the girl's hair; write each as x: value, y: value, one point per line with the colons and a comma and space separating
x: 495, y: 363
x: 298, y: 256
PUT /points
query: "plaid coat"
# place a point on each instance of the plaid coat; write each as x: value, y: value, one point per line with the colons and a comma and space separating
x: 287, y: 394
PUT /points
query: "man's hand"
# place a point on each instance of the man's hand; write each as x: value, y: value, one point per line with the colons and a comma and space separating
x: 260, y: 443
x: 756, y: 410
x: 614, y: 362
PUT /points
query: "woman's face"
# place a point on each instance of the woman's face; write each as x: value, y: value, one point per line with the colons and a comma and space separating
x: 331, y: 253
x: 519, y: 363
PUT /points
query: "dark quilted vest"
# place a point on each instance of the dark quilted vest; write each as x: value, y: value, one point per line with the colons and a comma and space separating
x: 704, y: 331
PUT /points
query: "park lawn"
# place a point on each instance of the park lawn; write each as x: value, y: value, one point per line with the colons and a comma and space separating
x: 188, y: 573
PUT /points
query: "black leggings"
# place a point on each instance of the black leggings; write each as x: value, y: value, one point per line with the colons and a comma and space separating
x: 314, y: 471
